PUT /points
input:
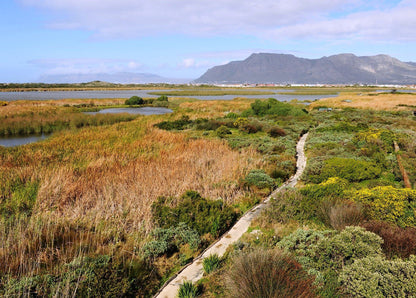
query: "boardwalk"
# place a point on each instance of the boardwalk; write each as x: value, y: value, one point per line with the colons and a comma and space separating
x: 194, y: 271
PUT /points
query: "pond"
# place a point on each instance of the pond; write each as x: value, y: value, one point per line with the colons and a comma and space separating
x: 135, y: 111
x: 14, y: 141
x: 97, y: 94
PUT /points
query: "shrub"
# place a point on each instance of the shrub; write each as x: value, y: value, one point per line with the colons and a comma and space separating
x: 179, y: 124
x: 188, y: 290
x: 344, y: 248
x: 389, y: 204
x: 3, y: 103
x: 222, y: 131
x: 162, y: 98
x: 286, y: 206
x: 200, y: 214
x: 259, y: 179
x: 170, y: 239
x: 275, y: 132
x: 211, y: 263
x: 268, y: 274
x: 377, y: 277
x: 398, y: 242
x: 350, y: 169
x: 344, y: 214
x: 134, y: 100
x: 21, y: 201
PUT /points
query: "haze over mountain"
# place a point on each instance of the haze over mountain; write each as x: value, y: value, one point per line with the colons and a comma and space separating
x: 336, y: 69
x: 120, y: 77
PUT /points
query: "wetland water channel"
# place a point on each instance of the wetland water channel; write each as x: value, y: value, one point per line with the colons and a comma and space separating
x: 12, y: 141
x: 101, y: 94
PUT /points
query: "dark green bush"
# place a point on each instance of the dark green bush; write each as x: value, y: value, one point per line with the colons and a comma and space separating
x: 179, y: 124
x: 200, y: 214
x: 134, y: 100
x: 273, y: 107
x: 162, y: 98
x: 286, y: 206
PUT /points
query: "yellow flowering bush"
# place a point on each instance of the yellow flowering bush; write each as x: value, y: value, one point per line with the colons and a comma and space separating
x: 389, y: 204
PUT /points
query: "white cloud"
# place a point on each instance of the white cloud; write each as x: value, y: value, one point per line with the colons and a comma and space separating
x: 277, y: 19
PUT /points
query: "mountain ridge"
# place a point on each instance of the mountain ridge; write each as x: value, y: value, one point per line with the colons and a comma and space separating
x: 345, y: 68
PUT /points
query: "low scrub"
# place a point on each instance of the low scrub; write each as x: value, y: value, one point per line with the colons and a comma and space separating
x: 198, y: 213
x: 268, y: 274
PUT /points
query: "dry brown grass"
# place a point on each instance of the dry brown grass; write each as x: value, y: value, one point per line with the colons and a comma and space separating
x: 211, y: 108
x: 367, y: 101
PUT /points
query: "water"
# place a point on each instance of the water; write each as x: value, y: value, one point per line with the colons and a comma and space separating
x: 21, y: 140
x: 135, y: 111
x: 55, y: 95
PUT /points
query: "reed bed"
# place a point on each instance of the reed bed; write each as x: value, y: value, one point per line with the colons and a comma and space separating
x: 96, y: 186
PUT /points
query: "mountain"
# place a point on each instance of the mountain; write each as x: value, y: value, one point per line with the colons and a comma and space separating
x: 289, y: 69
x: 120, y: 77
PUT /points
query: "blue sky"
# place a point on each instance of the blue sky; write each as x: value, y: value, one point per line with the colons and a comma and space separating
x: 182, y: 39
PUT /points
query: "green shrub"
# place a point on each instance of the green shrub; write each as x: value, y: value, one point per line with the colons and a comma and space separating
x: 179, y: 124
x: 273, y: 107
x: 259, y: 179
x: 350, y: 169
x: 268, y: 274
x: 188, y: 290
x: 286, y: 206
x: 378, y: 277
x: 222, y: 131
x: 200, y: 214
x: 170, y: 239
x: 211, y: 263
x: 344, y: 248
x: 162, y: 98
x: 21, y: 201
x: 134, y: 100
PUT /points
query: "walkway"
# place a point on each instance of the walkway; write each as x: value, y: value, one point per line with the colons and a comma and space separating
x: 194, y: 271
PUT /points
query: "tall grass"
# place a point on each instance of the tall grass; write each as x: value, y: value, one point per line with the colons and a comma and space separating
x: 96, y: 186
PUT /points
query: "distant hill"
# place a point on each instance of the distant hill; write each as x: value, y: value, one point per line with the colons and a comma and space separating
x: 289, y: 69
x: 120, y: 77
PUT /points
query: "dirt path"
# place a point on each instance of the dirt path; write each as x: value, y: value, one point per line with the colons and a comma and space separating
x: 194, y: 271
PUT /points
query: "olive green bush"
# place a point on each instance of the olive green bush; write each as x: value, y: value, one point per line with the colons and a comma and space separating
x: 134, y: 100
x: 377, y: 277
x: 198, y: 213
x: 211, y: 263
x: 259, y: 179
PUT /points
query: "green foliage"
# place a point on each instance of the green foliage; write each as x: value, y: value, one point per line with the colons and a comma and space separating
x: 188, y: 290
x: 179, y: 124
x: 388, y: 203
x: 21, y: 200
x: 273, y: 107
x: 377, y: 277
x: 200, y: 214
x: 259, y: 179
x: 350, y: 169
x: 222, y: 131
x: 162, y: 98
x: 134, y: 100
x: 100, y: 276
x: 170, y: 239
x: 285, y: 207
x: 211, y: 263
x: 344, y: 248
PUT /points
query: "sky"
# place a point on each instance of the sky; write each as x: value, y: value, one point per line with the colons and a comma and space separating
x: 182, y: 39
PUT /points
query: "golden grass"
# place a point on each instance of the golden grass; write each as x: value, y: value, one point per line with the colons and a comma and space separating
x: 212, y: 108
x: 97, y: 184
x: 367, y: 101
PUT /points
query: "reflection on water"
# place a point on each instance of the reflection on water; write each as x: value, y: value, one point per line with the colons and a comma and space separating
x: 141, y: 111
x: 21, y: 140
